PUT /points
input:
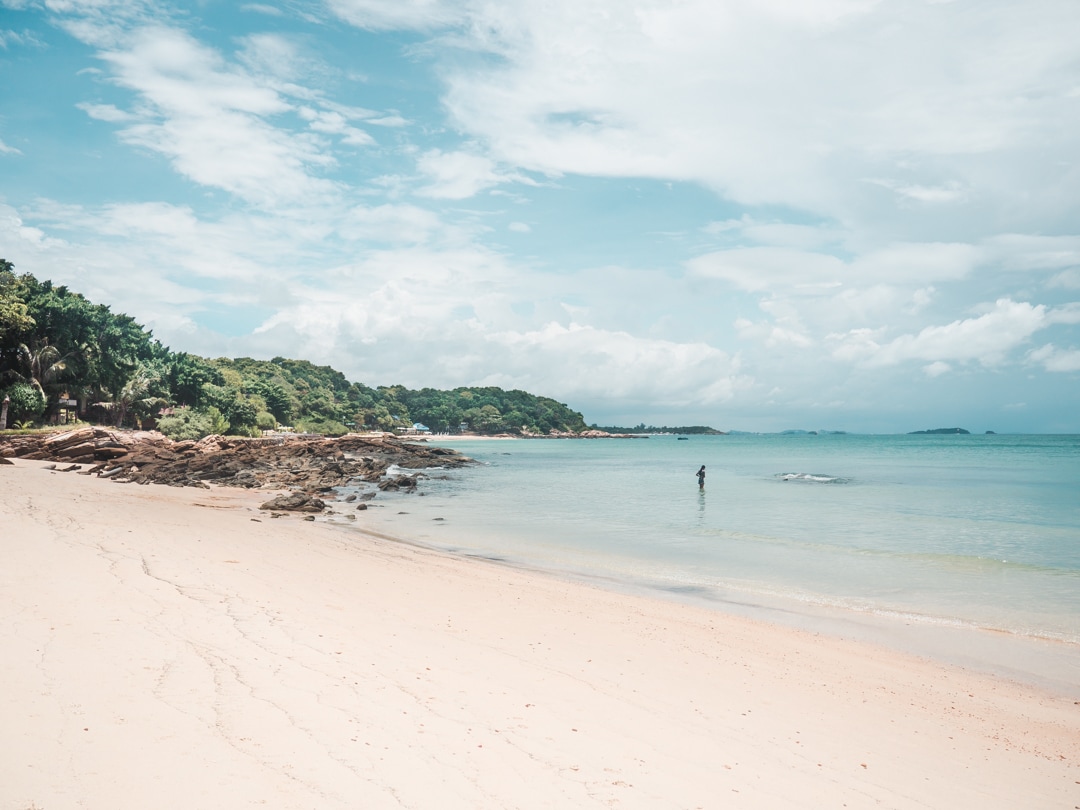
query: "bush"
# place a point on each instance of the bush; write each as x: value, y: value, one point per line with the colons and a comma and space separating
x: 184, y: 424
x: 27, y: 402
x: 243, y: 417
x: 265, y: 421
x: 219, y: 425
x: 326, y: 427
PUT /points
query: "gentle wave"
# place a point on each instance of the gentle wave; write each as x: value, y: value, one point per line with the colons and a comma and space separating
x: 812, y: 478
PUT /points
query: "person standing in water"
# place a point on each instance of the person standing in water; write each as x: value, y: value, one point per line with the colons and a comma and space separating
x: 701, y: 477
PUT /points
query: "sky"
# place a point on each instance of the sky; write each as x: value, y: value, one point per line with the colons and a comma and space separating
x: 758, y: 215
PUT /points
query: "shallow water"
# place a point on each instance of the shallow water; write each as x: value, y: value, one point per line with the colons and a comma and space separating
x: 939, y: 531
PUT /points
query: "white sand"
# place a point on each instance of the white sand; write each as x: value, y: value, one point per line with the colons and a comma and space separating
x: 162, y: 649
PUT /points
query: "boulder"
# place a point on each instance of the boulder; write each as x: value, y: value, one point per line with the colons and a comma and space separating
x: 295, y: 502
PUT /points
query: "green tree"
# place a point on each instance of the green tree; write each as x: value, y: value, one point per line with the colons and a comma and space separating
x: 14, y: 317
x: 27, y: 402
x: 187, y: 375
x: 136, y: 397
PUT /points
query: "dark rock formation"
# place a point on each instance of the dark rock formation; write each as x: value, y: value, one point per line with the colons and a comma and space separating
x: 306, y: 464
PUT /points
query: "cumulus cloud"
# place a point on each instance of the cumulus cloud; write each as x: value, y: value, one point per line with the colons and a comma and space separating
x: 986, y: 339
x: 1054, y: 359
x: 619, y: 365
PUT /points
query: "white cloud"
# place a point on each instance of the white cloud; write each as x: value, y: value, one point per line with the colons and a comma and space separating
x: 783, y: 103
x: 393, y: 224
x: 986, y: 339
x: 378, y: 15
x: 8, y: 150
x: 951, y: 191
x: 224, y: 124
x: 1054, y: 359
x: 772, y: 268
x: 771, y: 335
x: 618, y: 365
x: 334, y: 123
x: 19, y: 39
x: 937, y: 368
x: 458, y: 175
x: 519, y: 227
x: 212, y: 120
x: 765, y: 268
x: 1067, y: 279
x: 261, y: 8
x: 105, y: 112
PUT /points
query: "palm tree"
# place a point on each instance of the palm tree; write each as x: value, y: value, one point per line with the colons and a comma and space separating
x: 135, y: 396
x: 43, y: 364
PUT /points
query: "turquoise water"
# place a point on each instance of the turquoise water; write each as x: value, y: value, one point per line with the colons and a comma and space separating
x: 973, y: 531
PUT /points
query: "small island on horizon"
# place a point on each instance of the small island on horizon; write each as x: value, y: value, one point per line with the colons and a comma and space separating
x: 953, y: 431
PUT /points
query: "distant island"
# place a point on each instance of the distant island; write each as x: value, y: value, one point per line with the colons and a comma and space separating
x: 939, y: 431
x: 685, y: 430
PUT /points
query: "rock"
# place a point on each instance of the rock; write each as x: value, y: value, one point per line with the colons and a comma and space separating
x: 406, y: 482
x: 308, y: 464
x: 246, y: 478
x: 295, y: 502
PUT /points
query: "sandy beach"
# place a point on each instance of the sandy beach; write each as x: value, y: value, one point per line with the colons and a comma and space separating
x: 178, y: 648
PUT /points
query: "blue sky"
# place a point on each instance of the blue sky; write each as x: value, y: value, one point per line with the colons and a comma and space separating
x: 837, y: 214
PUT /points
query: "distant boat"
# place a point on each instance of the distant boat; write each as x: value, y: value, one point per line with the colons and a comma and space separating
x: 683, y: 438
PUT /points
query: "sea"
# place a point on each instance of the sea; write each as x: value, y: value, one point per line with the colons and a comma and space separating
x: 957, y: 547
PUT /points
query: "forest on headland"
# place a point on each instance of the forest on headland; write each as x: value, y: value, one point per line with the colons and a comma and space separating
x: 63, y: 357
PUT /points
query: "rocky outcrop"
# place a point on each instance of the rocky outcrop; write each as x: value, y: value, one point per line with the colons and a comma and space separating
x: 594, y: 434
x: 306, y: 464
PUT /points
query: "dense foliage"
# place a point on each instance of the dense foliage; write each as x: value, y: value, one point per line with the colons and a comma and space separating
x: 56, y: 345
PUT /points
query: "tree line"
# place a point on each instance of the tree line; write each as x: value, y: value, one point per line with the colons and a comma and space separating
x: 61, y: 353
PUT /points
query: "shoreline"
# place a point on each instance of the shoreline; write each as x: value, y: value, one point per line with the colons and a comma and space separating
x: 175, y: 647
x: 1040, y: 661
